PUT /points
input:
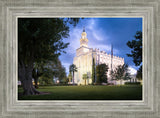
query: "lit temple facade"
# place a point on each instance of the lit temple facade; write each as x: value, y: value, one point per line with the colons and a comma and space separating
x: 84, y: 61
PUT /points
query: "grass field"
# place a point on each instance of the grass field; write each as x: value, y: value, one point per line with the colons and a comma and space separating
x: 125, y: 92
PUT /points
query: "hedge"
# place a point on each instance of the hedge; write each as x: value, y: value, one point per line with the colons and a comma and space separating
x: 132, y: 83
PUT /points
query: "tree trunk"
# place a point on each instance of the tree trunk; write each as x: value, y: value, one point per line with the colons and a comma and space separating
x: 35, y: 75
x: 85, y: 81
x: 25, y: 75
x: 28, y: 87
x: 36, y: 82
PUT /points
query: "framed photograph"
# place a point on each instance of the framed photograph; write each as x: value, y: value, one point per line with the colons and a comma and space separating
x: 79, y: 59
x: 89, y: 58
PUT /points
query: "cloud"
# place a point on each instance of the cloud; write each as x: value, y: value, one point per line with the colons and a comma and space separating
x: 132, y: 70
x: 93, y: 34
x: 74, y: 38
x: 90, y: 24
x: 96, y: 32
x: 98, y: 38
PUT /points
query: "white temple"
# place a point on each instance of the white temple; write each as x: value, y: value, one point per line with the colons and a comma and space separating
x: 84, y: 61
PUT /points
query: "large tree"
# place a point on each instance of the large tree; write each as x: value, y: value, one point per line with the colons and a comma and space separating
x: 39, y: 40
x: 121, y: 73
x: 72, y: 69
x: 47, y: 76
x: 62, y: 75
x: 136, y: 52
x: 101, y: 73
x: 53, y: 69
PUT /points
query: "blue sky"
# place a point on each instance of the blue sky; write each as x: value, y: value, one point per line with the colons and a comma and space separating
x: 101, y: 33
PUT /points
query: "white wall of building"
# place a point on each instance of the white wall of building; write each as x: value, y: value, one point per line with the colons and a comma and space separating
x: 84, y: 59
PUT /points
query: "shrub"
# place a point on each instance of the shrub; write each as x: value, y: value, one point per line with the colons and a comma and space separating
x: 61, y: 84
x: 132, y: 83
x: 110, y: 84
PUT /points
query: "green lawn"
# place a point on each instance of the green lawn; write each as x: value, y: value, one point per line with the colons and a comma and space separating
x: 125, y: 92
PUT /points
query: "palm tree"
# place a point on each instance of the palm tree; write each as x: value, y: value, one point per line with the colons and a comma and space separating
x: 73, y: 68
x: 85, y: 77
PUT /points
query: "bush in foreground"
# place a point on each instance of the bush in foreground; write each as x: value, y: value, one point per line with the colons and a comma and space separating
x: 132, y: 83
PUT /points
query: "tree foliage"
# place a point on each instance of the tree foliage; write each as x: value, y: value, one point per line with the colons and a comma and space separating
x: 85, y: 77
x: 53, y: 69
x: 70, y: 77
x: 101, y: 73
x: 37, y: 72
x: 39, y: 40
x: 136, y: 46
x: 48, y: 71
x: 72, y: 69
x: 121, y: 73
x: 136, y: 52
x: 62, y: 75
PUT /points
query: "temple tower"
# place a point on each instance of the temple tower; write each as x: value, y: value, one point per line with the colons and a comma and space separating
x: 84, y: 40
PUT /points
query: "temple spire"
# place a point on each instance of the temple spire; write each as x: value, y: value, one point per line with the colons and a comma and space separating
x: 84, y: 40
x: 83, y: 29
